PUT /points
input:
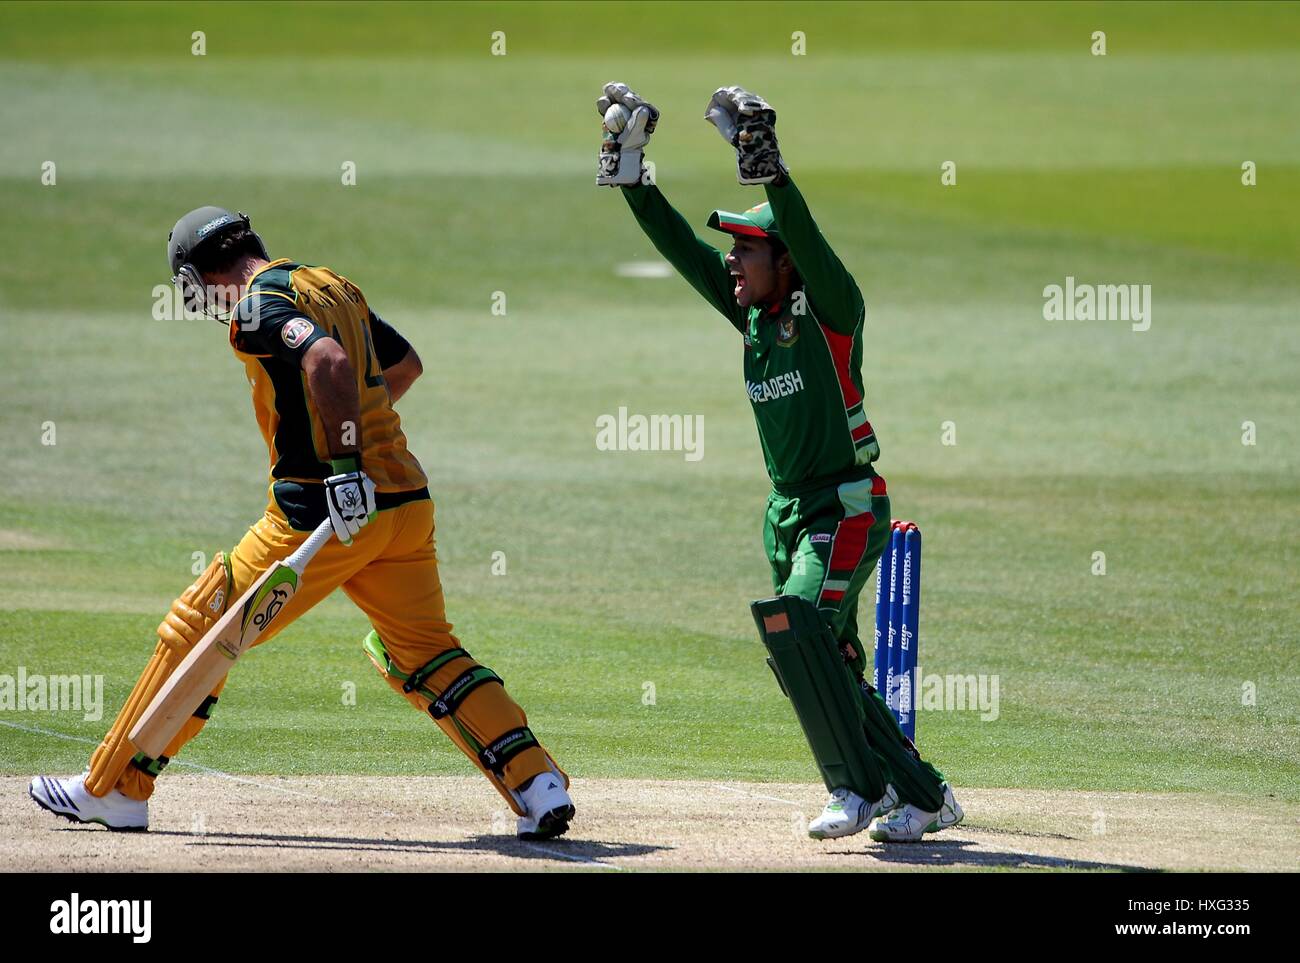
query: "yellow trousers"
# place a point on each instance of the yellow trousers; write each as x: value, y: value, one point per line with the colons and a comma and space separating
x: 391, y: 572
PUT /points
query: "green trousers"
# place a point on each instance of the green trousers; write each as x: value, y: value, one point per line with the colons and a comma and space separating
x: 823, y: 545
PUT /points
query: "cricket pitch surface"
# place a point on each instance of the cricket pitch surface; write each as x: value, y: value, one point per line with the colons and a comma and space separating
x: 379, y: 823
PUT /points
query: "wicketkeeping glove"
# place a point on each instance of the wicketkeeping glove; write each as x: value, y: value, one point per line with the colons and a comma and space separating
x: 621, y: 150
x: 748, y: 123
x: 350, y: 497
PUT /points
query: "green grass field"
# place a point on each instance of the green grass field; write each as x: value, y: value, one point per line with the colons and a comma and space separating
x: 475, y: 175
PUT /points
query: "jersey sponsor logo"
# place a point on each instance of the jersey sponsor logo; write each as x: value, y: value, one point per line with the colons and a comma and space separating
x: 781, y: 386
x: 295, y: 332
x: 820, y: 537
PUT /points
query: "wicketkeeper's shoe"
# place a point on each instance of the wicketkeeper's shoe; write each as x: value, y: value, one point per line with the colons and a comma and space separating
x: 847, y: 813
x: 549, y: 808
x: 907, y: 823
x: 68, y: 797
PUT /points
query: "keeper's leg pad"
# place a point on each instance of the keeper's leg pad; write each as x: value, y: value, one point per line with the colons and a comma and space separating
x: 115, y: 763
x: 469, y: 703
x: 917, y: 782
x: 812, y: 673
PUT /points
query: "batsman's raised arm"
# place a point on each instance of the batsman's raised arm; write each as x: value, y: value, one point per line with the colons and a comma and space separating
x: 748, y: 123
x: 701, y: 264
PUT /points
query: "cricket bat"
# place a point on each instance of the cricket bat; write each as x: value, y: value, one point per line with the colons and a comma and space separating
x: 234, y: 633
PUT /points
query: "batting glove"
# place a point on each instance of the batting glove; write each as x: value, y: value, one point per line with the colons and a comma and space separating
x: 350, y: 496
x: 621, y: 151
x: 748, y: 123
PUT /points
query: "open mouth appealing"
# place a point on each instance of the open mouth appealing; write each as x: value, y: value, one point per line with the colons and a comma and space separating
x: 740, y: 283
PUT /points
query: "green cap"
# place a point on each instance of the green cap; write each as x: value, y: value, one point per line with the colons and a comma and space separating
x: 756, y: 222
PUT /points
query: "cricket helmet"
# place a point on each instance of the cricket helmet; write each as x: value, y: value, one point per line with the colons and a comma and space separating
x: 195, y: 231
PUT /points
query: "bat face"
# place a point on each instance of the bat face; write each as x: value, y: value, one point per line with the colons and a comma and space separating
x: 258, y: 611
x: 245, y: 622
x: 211, y: 658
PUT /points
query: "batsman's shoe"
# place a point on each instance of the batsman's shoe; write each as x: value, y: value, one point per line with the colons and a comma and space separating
x: 847, y: 813
x: 907, y: 824
x: 549, y: 808
x: 69, y: 798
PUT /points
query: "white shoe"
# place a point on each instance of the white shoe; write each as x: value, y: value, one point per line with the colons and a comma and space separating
x: 907, y: 824
x: 847, y: 813
x: 69, y: 798
x: 549, y: 807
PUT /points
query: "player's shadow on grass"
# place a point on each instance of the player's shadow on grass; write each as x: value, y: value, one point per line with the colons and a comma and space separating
x: 958, y: 852
x: 564, y: 849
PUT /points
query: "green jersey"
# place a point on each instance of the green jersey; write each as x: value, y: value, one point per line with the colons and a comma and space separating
x: 803, y: 357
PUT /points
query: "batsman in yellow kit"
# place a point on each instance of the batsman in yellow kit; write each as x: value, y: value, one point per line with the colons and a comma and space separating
x: 325, y: 372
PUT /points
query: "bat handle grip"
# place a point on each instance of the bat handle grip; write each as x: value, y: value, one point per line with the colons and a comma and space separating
x: 299, y: 559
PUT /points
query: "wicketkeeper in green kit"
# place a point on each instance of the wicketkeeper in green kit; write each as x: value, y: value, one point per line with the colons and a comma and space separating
x: 801, y: 315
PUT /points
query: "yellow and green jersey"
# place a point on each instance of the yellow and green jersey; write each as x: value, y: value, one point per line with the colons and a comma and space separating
x: 802, y: 358
x: 286, y: 309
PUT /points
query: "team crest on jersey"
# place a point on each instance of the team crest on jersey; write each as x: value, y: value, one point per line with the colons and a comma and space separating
x: 787, y: 331
x: 295, y: 332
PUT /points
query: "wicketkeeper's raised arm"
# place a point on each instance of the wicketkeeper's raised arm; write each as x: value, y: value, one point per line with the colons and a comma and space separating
x: 701, y: 264
x: 831, y: 289
x: 748, y: 123
x: 627, y: 131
